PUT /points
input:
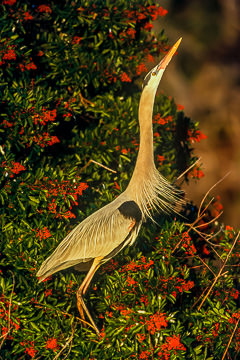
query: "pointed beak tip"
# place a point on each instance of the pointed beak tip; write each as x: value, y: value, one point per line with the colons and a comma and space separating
x: 163, y: 64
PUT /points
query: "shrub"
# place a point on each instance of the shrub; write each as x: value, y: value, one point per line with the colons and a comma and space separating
x: 70, y: 86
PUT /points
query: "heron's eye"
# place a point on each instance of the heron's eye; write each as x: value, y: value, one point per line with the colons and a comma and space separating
x: 154, y: 74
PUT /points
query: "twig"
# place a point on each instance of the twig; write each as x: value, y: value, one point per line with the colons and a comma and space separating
x: 206, y: 265
x: 218, y: 182
x: 220, y: 272
x: 230, y: 340
x: 97, y: 163
x: 209, y: 222
x: 189, y: 168
x: 41, y: 306
x: 65, y: 346
x: 3, y: 337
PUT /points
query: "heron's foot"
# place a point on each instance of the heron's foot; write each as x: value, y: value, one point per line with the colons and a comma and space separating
x: 81, y: 308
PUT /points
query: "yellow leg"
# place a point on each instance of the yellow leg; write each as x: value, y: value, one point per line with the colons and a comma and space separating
x: 82, y: 290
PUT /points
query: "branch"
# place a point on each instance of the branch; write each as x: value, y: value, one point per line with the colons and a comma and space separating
x: 97, y: 163
x: 3, y: 337
x: 65, y: 346
x: 230, y: 340
x: 220, y: 272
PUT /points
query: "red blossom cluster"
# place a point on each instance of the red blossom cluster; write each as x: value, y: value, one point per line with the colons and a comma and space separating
x: 180, y: 107
x: 44, y: 117
x: 125, y: 311
x: 141, y: 68
x: 27, y: 16
x: 226, y: 295
x: 29, y: 348
x: 44, y: 9
x: 129, y: 33
x: 43, y: 233
x: 9, y: 2
x: 136, y: 267
x: 196, y: 136
x: 156, y: 322
x: 65, y: 190
x: 162, y: 120
x: 47, y: 292
x: 188, y: 245
x: 173, y: 285
x: 44, y: 140
x: 110, y: 76
x: 13, y: 168
x: 143, y: 12
x: 76, y: 40
x: 172, y: 343
x: 28, y: 66
x: 52, y: 344
x: 7, y: 324
x: 8, y: 54
x: 160, y: 159
x: 125, y: 78
x: 146, y: 354
x: 217, y: 206
x: 195, y: 173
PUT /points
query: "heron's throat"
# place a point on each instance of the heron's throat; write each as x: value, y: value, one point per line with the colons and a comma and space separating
x: 145, y: 158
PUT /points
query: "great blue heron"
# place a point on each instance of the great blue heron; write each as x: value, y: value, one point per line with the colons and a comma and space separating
x: 107, y: 231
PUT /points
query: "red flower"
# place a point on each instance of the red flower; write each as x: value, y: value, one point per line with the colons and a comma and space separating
x: 148, y: 26
x: 31, y: 351
x: 43, y: 234
x: 173, y: 343
x: 130, y: 281
x: 76, y: 40
x: 9, y: 54
x: 116, y: 185
x: 141, y: 68
x: 30, y: 66
x: 197, y: 137
x: 9, y: 2
x: 145, y: 354
x: 156, y: 322
x: 27, y: 16
x: 125, y: 78
x: 48, y: 292
x: 131, y: 32
x: 180, y: 107
x: 44, y: 8
x: 14, y: 168
x: 51, y: 344
x: 160, y: 159
x: 196, y: 173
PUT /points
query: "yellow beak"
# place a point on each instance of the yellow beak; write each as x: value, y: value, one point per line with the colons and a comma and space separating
x: 165, y: 61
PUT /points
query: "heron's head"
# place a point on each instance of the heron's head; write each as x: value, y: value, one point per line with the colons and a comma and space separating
x: 152, y: 79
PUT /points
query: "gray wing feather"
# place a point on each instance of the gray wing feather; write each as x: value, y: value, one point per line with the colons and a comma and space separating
x: 97, y: 235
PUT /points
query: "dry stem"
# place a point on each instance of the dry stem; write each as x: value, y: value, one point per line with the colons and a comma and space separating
x: 230, y: 340
x: 220, y: 272
x: 3, y: 337
x: 97, y: 163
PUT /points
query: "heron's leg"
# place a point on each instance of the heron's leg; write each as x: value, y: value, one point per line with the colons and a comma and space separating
x: 82, y: 290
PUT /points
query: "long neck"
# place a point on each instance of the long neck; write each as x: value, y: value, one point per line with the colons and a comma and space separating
x: 145, y: 159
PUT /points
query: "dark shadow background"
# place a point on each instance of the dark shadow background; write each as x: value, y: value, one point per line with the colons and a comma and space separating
x: 205, y: 78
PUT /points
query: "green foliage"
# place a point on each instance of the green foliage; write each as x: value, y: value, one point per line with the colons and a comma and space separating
x: 70, y: 75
